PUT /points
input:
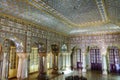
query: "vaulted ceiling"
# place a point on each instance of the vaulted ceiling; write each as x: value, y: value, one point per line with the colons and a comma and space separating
x: 67, y: 16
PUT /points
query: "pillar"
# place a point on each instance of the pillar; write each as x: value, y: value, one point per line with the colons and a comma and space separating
x: 55, y: 52
x: 45, y: 64
x: 84, y: 63
x: 22, y: 72
x: 104, y: 65
x: 63, y: 61
x: 69, y: 57
x: 5, y: 66
x: 20, y: 61
x: 55, y: 64
x: 67, y: 60
x: 42, y: 67
x: 104, y: 60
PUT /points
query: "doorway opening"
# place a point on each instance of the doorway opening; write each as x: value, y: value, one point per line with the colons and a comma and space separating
x: 79, y: 59
x: 114, y: 59
x: 95, y: 59
x: 34, y: 60
x: 11, y: 57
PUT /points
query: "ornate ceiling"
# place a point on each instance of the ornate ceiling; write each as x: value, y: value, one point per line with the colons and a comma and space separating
x: 77, y: 11
x: 67, y: 16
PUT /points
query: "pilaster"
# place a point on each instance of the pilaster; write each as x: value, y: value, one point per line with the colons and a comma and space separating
x: 22, y: 66
x: 104, y: 72
x: 84, y: 63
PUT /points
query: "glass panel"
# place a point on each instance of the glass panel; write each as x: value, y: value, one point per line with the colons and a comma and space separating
x: 34, y: 60
x: 13, y: 62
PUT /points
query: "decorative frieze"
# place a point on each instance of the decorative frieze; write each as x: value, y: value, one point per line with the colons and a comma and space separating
x: 91, y: 40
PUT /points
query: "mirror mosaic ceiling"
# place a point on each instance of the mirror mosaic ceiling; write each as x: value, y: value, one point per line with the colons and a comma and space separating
x: 59, y: 15
x: 77, y: 11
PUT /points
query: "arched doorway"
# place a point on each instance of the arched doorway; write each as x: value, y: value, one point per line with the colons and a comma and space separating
x: 95, y: 59
x: 76, y: 58
x: 114, y: 59
x: 13, y: 60
x: 10, y: 59
x: 79, y: 58
x: 11, y: 47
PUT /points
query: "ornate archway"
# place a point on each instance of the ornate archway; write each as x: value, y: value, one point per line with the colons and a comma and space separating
x: 76, y: 58
x: 11, y: 47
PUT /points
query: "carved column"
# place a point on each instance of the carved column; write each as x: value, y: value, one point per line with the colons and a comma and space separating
x: 22, y: 66
x: 69, y: 60
x: 55, y: 51
x: 5, y: 66
x: 104, y: 60
x: 42, y: 66
x: 63, y: 61
x: 20, y: 61
x: 104, y: 65
x: 42, y: 62
x: 84, y: 60
x: 84, y: 63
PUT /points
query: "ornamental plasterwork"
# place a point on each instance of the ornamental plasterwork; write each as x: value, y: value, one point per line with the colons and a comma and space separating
x: 82, y: 9
x: 105, y: 39
x: 24, y: 10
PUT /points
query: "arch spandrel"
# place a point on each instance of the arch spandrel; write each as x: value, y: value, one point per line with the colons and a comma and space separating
x: 18, y: 43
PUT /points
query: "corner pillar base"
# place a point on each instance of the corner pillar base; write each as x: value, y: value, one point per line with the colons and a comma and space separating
x: 84, y: 70
x: 104, y: 72
x: 43, y: 76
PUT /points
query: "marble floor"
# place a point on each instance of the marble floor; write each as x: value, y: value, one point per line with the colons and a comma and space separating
x: 90, y: 75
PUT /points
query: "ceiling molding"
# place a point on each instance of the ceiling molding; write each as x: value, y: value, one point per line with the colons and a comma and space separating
x: 102, y: 9
x: 95, y: 34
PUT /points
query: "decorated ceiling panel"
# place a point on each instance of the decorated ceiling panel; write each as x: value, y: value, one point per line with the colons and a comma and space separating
x: 77, y: 11
x: 113, y: 10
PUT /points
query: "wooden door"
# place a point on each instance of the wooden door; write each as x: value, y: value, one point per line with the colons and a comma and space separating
x: 13, y: 62
x: 95, y: 59
x: 114, y: 59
